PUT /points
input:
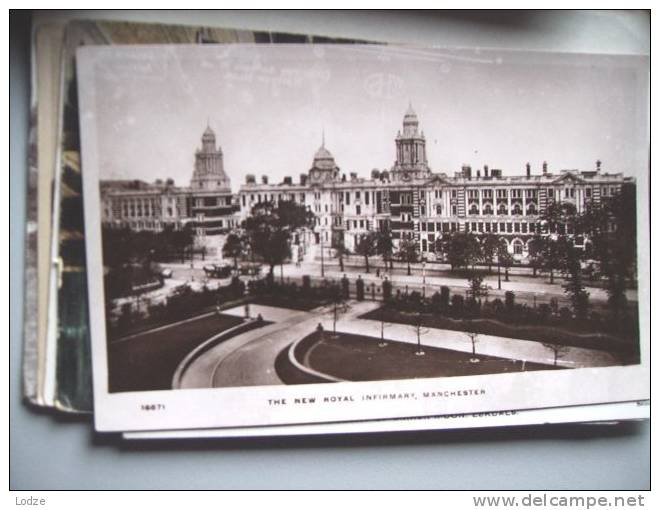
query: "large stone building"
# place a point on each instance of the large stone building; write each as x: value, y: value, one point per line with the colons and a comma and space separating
x: 207, y: 205
x: 415, y: 203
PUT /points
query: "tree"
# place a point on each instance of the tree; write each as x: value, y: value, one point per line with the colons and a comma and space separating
x: 574, y: 286
x: 408, y: 252
x: 474, y: 339
x: 535, y: 247
x: 385, y: 247
x: 339, y: 306
x: 420, y: 330
x: 504, y: 259
x: 461, y: 249
x: 553, y: 256
x: 559, y: 218
x: 611, y: 228
x: 233, y: 248
x: 489, y: 245
x: 477, y: 289
x: 183, y: 240
x: 557, y: 351
x: 366, y: 246
x: 340, y: 252
x: 270, y: 226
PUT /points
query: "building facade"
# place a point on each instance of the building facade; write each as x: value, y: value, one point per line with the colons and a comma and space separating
x: 207, y: 205
x: 415, y: 203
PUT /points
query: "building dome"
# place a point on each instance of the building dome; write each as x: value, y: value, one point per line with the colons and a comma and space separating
x: 410, y: 117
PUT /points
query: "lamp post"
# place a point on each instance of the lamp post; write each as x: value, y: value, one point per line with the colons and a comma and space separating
x: 424, y: 277
x: 322, y: 259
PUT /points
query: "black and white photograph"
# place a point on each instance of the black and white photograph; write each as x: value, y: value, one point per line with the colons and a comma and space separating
x: 431, y: 231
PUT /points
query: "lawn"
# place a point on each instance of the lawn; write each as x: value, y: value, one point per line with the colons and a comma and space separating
x: 627, y: 349
x: 359, y: 358
x: 148, y: 360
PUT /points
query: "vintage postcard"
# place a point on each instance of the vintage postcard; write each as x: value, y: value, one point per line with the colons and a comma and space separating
x: 324, y: 233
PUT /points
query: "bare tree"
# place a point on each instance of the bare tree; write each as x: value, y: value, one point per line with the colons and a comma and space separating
x: 420, y: 330
x: 383, y: 325
x: 474, y: 339
x: 558, y: 351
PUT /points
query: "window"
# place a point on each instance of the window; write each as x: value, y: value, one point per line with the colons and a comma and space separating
x: 366, y: 197
x: 453, y: 193
x: 361, y: 223
x: 244, y: 201
x: 431, y: 227
x: 501, y: 193
x: 487, y: 193
x: 473, y: 193
x: 358, y: 209
x: 424, y: 245
x: 438, y: 209
x: 524, y: 228
x: 516, y: 193
x: 508, y: 227
x: 487, y: 227
x: 587, y: 192
x: 551, y: 193
x: 516, y: 227
x: 453, y: 210
x: 348, y: 198
x: 474, y: 209
x: 502, y: 227
x: 517, y: 247
x: 502, y: 210
x: 357, y: 195
x: 481, y: 226
x: 488, y: 210
x: 423, y: 226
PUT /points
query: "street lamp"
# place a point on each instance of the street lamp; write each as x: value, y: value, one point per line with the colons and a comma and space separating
x: 322, y: 259
x: 424, y: 277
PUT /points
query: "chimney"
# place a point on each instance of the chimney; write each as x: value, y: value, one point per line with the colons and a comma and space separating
x: 375, y: 174
x: 528, y: 167
x: 353, y: 176
x: 486, y: 171
x: 250, y: 179
x: 598, y: 163
x: 303, y: 179
x: 478, y: 174
x: 288, y: 180
x: 264, y: 179
x: 343, y: 177
x: 496, y: 173
x: 545, y: 167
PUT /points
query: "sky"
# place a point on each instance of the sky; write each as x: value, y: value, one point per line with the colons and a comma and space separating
x: 270, y: 104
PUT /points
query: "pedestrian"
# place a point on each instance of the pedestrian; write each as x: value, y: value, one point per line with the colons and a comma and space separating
x: 378, y: 272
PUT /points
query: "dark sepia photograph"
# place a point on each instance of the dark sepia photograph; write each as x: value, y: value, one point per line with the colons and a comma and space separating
x: 457, y: 225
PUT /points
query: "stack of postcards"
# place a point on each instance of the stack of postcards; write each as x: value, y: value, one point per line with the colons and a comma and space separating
x: 228, y: 236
